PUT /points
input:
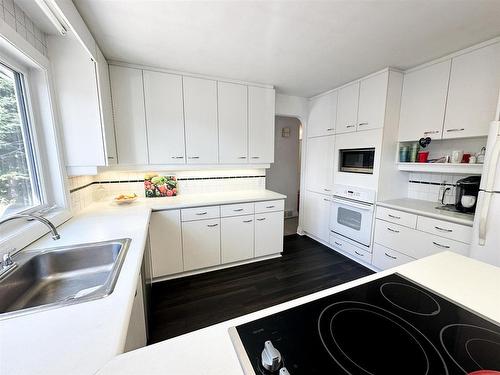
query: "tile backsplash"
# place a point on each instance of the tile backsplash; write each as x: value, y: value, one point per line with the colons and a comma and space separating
x: 15, y: 17
x: 430, y: 186
x: 85, y: 190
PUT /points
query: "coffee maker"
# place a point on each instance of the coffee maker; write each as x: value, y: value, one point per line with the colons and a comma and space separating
x: 467, y: 190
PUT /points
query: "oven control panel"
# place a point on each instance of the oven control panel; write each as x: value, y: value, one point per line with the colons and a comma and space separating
x: 354, y: 192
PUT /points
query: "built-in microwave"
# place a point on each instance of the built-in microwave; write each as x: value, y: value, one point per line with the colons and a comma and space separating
x: 356, y: 160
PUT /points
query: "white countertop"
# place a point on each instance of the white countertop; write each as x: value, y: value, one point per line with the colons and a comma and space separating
x: 81, y: 338
x: 210, y: 351
x: 426, y: 208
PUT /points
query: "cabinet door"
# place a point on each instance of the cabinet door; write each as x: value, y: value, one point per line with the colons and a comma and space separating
x: 164, y: 117
x: 372, y: 100
x: 322, y: 115
x: 237, y: 237
x: 166, y: 242
x: 201, y: 243
x: 104, y: 87
x: 347, y: 108
x: 130, y: 121
x: 261, y: 124
x: 233, y: 123
x: 200, y: 114
x: 319, y: 164
x: 317, y: 215
x: 473, y: 93
x: 269, y: 233
x: 76, y: 92
x: 423, y: 102
x: 136, y: 332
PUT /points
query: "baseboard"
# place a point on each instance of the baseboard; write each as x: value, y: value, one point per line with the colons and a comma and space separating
x: 215, y: 268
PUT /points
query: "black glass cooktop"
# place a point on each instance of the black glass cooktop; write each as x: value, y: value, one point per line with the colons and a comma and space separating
x: 388, y: 326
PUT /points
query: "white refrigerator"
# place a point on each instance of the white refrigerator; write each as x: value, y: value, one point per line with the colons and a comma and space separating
x: 486, y: 231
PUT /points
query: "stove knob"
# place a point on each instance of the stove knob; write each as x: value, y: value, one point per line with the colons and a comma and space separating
x: 284, y: 371
x: 271, y: 357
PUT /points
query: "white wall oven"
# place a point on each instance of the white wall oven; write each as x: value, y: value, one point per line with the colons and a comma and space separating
x: 351, y: 214
x: 357, y: 160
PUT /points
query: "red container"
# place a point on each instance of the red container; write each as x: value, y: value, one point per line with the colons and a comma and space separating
x: 422, y: 156
x: 465, y: 158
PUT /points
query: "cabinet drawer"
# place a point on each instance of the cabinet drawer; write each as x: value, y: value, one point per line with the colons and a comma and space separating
x: 398, y: 217
x: 405, y: 240
x: 341, y: 244
x: 237, y: 209
x: 436, y: 244
x: 384, y: 258
x: 200, y: 213
x: 446, y: 229
x: 268, y: 206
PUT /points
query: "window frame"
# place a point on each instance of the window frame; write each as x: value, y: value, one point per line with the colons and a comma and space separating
x: 28, y: 129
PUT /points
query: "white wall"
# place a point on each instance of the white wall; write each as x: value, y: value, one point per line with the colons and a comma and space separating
x: 284, y: 174
x: 292, y: 106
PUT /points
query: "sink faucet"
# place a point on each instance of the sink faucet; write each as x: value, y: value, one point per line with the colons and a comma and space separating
x: 7, y: 262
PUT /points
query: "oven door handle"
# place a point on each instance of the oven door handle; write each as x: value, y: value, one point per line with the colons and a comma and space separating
x: 365, y: 207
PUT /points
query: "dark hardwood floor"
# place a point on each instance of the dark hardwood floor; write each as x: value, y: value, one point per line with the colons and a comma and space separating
x: 190, y: 303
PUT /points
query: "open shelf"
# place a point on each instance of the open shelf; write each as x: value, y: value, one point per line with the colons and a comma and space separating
x: 451, y: 168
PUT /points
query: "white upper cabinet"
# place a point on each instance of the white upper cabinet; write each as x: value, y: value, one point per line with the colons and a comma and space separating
x: 106, y: 106
x: 473, y: 92
x: 261, y: 112
x: 233, y: 123
x: 322, y: 115
x: 164, y: 117
x: 347, y: 108
x: 372, y: 100
x: 319, y: 164
x: 200, y: 118
x: 77, y: 96
x: 423, y: 102
x: 129, y: 114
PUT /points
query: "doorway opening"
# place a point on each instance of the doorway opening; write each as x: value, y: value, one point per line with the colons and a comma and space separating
x: 284, y: 174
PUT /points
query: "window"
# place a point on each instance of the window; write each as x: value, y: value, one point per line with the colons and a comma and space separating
x: 19, y: 184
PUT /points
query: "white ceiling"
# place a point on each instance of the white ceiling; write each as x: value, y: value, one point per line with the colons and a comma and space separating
x: 301, y: 47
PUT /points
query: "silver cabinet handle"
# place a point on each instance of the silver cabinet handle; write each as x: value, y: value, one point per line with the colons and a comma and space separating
x: 455, y: 130
x: 431, y: 132
x: 242, y: 157
x: 238, y: 210
x: 212, y: 225
x: 394, y: 217
x: 329, y: 129
x: 255, y: 157
x: 111, y: 157
x: 202, y: 213
x: 439, y: 245
x: 262, y: 218
x: 269, y: 206
x: 194, y: 157
x: 337, y: 243
x: 392, y: 230
x: 390, y: 256
x: 326, y: 200
x: 443, y: 229
x: 362, y: 124
x: 361, y: 255
x: 247, y: 221
x: 327, y: 189
x: 179, y: 157
x: 350, y: 126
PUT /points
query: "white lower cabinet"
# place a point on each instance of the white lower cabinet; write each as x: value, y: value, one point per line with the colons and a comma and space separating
x: 342, y: 244
x: 201, y: 243
x: 269, y: 233
x: 317, y: 215
x: 418, y: 237
x: 237, y: 237
x: 136, y: 333
x: 384, y: 258
x: 166, y: 242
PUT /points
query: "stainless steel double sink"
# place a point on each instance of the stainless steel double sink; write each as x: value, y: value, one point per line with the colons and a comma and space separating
x: 55, y: 277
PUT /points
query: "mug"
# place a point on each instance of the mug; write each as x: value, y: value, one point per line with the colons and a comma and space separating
x: 468, y: 201
x: 456, y: 156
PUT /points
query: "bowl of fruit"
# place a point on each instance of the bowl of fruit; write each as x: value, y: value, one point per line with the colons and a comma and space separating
x: 125, y: 198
